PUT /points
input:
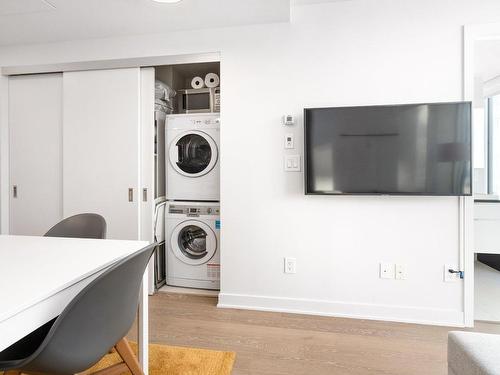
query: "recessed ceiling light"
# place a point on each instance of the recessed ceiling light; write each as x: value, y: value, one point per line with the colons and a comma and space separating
x: 167, y: 1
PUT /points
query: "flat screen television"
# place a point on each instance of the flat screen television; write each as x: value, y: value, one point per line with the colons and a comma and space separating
x: 414, y: 149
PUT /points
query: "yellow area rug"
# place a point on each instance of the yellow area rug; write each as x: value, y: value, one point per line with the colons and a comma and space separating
x: 175, y: 360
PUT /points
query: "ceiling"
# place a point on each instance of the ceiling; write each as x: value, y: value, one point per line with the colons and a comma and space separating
x: 487, y: 59
x: 41, y: 21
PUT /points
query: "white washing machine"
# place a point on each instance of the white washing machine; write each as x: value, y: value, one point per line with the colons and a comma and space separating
x: 192, y: 238
x: 192, y: 142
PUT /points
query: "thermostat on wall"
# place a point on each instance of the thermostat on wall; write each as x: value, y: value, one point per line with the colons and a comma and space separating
x: 288, y: 120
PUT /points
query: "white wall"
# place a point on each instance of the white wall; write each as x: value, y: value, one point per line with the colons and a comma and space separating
x: 492, y: 87
x: 343, y: 53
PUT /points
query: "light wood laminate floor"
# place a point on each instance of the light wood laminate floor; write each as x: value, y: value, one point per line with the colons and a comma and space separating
x: 286, y: 344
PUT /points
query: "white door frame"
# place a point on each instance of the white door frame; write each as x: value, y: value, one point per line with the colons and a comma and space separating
x: 4, y: 156
x: 472, y: 33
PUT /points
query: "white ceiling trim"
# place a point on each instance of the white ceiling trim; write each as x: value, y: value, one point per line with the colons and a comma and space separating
x: 112, y: 64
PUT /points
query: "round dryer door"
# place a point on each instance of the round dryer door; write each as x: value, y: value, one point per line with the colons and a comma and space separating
x: 193, y: 242
x: 193, y: 153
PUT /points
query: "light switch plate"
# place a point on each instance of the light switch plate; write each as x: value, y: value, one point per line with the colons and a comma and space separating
x: 292, y: 163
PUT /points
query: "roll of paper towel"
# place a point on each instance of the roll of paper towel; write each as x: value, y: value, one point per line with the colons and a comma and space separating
x: 212, y: 80
x: 197, y: 83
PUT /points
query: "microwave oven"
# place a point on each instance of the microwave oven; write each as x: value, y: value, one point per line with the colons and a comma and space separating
x: 199, y: 100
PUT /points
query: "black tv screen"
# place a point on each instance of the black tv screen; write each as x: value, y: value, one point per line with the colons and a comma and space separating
x: 415, y: 149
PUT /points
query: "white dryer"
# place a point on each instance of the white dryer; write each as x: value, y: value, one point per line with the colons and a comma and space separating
x: 192, y: 142
x: 192, y: 237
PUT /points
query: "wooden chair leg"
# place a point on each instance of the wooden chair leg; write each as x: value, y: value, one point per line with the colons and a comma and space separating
x: 125, y: 351
x: 117, y: 369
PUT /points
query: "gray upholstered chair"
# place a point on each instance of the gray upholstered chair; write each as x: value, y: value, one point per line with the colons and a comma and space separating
x: 473, y: 353
x: 80, y: 226
x: 95, y: 321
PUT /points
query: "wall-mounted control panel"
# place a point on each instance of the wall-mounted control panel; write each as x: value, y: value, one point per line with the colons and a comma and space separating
x: 289, y: 141
x: 288, y: 120
x: 291, y: 162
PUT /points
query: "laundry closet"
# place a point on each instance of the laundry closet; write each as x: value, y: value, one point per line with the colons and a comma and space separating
x: 136, y: 142
x: 187, y: 127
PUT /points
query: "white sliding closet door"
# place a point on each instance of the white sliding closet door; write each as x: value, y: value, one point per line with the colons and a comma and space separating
x: 147, y: 152
x: 35, y: 124
x: 148, y: 164
x: 101, y: 147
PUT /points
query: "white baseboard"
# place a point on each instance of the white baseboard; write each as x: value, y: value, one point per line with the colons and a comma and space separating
x: 391, y: 313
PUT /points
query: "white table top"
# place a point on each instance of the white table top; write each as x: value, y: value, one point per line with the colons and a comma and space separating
x: 34, y: 269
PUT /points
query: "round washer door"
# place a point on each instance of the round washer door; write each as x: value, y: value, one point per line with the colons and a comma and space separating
x: 193, y: 153
x: 193, y: 242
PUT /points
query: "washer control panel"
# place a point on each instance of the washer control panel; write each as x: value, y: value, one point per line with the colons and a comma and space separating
x: 206, y: 121
x: 194, y: 210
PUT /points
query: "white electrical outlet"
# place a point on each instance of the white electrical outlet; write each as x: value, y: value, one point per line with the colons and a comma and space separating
x: 290, y: 265
x: 401, y: 272
x: 386, y: 270
x: 450, y: 277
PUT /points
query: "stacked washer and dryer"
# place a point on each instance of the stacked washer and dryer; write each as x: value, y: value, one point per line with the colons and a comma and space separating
x: 193, y: 212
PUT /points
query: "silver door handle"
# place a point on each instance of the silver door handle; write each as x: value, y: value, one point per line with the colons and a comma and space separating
x: 130, y: 194
x: 145, y: 195
x: 14, y: 191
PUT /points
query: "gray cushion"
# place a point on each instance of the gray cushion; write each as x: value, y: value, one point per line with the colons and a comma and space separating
x: 471, y: 353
